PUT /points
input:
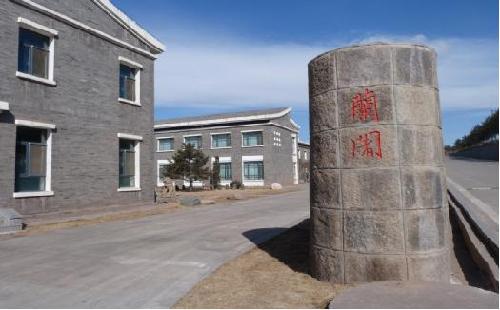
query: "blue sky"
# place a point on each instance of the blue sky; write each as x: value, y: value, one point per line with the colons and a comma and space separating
x: 225, y: 56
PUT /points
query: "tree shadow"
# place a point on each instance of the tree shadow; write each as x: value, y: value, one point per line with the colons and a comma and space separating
x: 289, y: 246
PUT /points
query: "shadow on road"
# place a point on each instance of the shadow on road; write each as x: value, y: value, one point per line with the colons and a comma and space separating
x: 291, y: 246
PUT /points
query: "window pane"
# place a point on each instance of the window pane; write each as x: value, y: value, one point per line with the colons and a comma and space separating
x: 33, y: 53
x: 252, y: 138
x: 40, y: 62
x: 130, y: 92
x: 253, y: 170
x: 37, y: 159
x: 163, y: 171
x: 166, y: 144
x: 127, y: 82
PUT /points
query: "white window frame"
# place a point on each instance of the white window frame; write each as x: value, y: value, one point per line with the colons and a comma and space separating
x: 221, y: 147
x: 194, y: 135
x: 158, y: 164
x: 138, y: 69
x: 51, y: 34
x: 4, y: 106
x: 158, y: 144
x: 137, y: 149
x: 48, y: 173
x: 248, y: 131
x: 251, y: 158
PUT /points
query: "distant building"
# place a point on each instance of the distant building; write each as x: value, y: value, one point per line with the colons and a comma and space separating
x: 303, y: 159
x: 76, y: 106
x: 256, y: 147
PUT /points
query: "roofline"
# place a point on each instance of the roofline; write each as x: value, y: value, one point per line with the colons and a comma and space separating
x: 303, y: 143
x: 294, y: 123
x: 129, y: 24
x: 225, y: 120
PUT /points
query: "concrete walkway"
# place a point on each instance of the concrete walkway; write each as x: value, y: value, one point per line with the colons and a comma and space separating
x: 478, y: 177
x: 146, y: 263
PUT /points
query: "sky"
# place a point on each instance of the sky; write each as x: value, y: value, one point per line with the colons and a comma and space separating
x: 228, y: 55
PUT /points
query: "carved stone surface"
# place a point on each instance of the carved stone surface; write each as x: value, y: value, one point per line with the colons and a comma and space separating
x: 378, y: 189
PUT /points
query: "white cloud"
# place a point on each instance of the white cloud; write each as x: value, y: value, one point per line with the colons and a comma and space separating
x: 199, y: 71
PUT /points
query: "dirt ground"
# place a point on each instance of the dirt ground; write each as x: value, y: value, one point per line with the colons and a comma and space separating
x: 222, y: 195
x: 273, y: 275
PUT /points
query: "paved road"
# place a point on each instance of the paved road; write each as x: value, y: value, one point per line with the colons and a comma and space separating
x: 145, y: 263
x: 478, y: 177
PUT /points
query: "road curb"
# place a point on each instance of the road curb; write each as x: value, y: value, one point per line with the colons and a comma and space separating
x: 476, y: 243
x: 484, y: 224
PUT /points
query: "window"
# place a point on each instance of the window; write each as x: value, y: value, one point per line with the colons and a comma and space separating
x: 129, y: 172
x: 31, y: 160
x: 161, y: 173
x: 127, y: 82
x: 305, y: 155
x: 127, y: 163
x: 253, y: 170
x: 195, y: 141
x: 253, y: 138
x: 130, y: 81
x: 221, y: 140
x: 225, y: 171
x: 294, y: 144
x: 34, y: 51
x: 165, y: 144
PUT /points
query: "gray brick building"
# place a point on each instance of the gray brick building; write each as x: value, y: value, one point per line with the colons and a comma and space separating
x: 256, y: 147
x: 76, y: 106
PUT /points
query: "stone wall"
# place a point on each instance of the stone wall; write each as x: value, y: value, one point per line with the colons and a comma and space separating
x: 378, y: 203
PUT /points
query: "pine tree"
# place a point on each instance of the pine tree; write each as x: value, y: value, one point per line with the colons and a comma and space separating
x: 188, y: 163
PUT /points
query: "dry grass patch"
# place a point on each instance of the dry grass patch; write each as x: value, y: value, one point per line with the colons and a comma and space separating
x: 222, y: 195
x: 273, y: 275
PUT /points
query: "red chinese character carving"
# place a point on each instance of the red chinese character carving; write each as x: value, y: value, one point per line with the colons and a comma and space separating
x: 368, y: 145
x: 364, y: 106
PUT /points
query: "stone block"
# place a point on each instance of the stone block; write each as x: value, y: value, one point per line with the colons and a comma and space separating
x: 327, y: 265
x: 369, y: 146
x: 326, y: 228
x: 361, y: 66
x: 276, y: 186
x: 431, y: 267
x: 423, y: 187
x: 417, y: 105
x: 420, y: 145
x: 425, y: 230
x: 10, y: 221
x: 324, y: 149
x: 378, y: 232
x: 323, y: 109
x: 366, y: 268
x: 371, y: 189
x: 325, y: 185
x: 379, y: 95
x: 322, y: 75
x: 414, y: 65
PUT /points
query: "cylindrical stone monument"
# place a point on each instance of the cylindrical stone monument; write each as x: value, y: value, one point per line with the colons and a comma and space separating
x: 378, y: 193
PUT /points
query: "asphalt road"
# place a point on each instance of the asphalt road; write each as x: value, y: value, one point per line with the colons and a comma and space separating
x: 145, y: 263
x: 478, y: 177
